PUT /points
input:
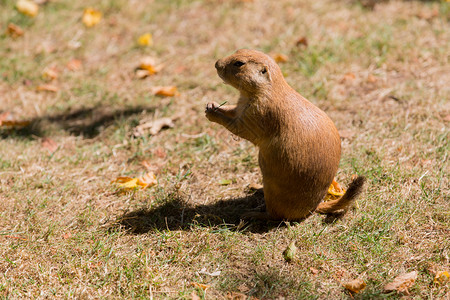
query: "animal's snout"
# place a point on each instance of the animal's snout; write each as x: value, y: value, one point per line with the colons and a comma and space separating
x: 219, y: 65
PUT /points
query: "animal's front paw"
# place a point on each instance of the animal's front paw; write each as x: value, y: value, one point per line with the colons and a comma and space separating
x: 212, y: 111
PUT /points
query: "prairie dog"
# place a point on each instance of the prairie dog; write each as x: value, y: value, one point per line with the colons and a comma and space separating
x: 299, y: 146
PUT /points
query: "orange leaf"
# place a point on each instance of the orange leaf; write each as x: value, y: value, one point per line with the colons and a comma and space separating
x: 441, y: 277
x: 355, y: 285
x: 302, y: 41
x: 91, y: 17
x: 6, y: 120
x: 200, y: 285
x: 165, y: 91
x: 280, y: 58
x: 148, y: 64
x: 14, y: 30
x: 47, y: 88
x: 74, y: 65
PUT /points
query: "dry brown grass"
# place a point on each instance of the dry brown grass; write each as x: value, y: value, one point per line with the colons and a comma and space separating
x: 382, y: 74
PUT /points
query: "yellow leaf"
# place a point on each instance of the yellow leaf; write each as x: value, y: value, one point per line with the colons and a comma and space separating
x: 441, y: 277
x: 165, y: 91
x: 145, y: 40
x: 355, y: 285
x: 91, y: 17
x: 334, y: 191
x: 129, y: 183
x: 28, y: 8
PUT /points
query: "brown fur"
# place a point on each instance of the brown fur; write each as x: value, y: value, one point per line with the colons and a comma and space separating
x: 299, y: 146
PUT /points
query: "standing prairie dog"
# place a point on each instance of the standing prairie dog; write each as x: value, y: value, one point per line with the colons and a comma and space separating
x: 299, y: 146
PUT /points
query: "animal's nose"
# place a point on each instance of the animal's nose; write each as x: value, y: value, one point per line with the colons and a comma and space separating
x: 219, y: 64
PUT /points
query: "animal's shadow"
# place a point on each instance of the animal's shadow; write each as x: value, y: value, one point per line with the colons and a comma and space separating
x: 86, y: 122
x: 176, y: 214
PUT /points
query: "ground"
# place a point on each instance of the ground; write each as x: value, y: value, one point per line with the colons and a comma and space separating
x: 380, y: 70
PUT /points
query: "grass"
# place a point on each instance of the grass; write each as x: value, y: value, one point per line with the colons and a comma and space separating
x: 381, y: 73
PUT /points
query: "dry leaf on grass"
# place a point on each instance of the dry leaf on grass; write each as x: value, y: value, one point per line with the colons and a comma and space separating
x: 74, y: 65
x: 303, y: 41
x: 290, y: 252
x: 14, y: 30
x: 47, y: 88
x: 355, y: 285
x: 313, y: 271
x: 49, y: 73
x: 28, y: 8
x: 402, y: 283
x: 165, y: 91
x: 126, y: 183
x: 280, y: 58
x: 334, y: 191
x: 194, y: 296
x: 6, y: 120
x: 200, y: 285
x: 147, y: 67
x: 49, y: 144
x: 91, y: 17
x: 441, y: 277
x: 152, y: 127
x: 145, y: 39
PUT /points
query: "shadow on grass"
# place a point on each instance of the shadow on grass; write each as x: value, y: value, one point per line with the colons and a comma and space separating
x: 178, y: 215
x: 86, y: 122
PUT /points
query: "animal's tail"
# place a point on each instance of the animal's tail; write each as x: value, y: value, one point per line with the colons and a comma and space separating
x: 355, y: 188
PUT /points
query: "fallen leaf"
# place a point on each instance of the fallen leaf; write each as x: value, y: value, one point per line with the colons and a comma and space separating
x: 50, y: 73
x: 225, y: 182
x: 14, y: 30
x: 7, y: 120
x: 441, y: 277
x: 203, y: 271
x: 128, y: 183
x: 355, y: 285
x: 402, y: 283
x: 49, y: 144
x: 165, y: 91
x: 159, y: 152
x: 67, y: 235
x: 91, y: 17
x: 152, y: 127
x: 303, y: 41
x: 290, y: 252
x: 145, y: 39
x: 47, y: 88
x: 235, y: 296
x: 200, y: 285
x: 147, y: 67
x: 28, y: 8
x: 194, y: 296
x: 255, y: 186
x: 313, y: 271
x: 334, y: 191
x: 371, y: 78
x: 74, y: 65
x: 447, y: 117
x: 280, y: 58
x: 348, y: 77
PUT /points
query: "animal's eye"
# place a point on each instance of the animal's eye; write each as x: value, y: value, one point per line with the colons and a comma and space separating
x: 239, y: 63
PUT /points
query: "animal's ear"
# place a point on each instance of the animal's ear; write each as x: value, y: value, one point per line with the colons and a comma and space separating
x: 265, y: 71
